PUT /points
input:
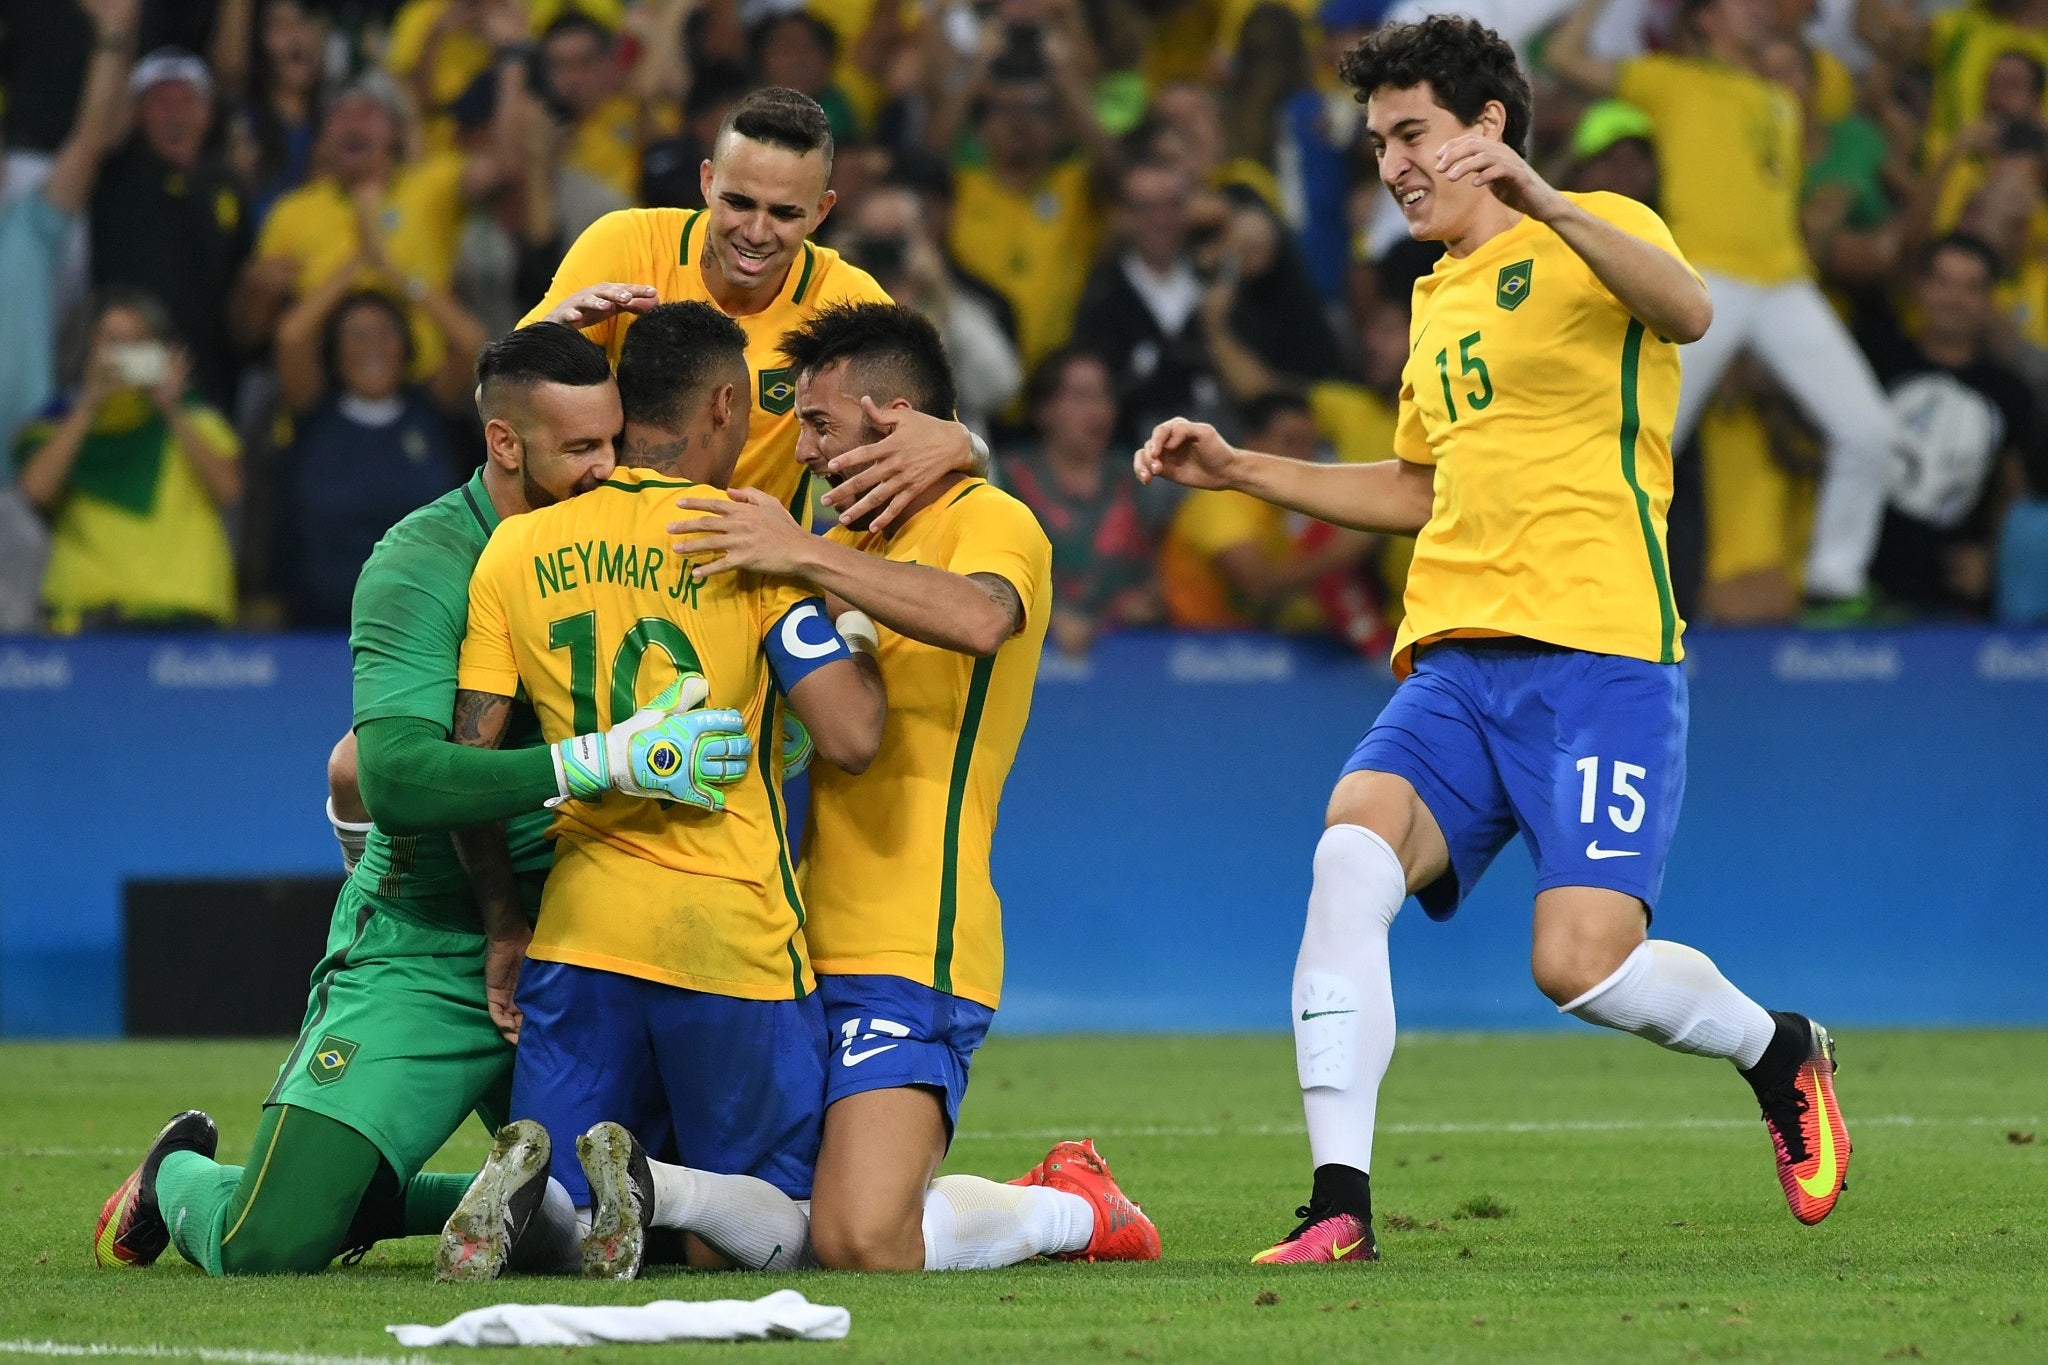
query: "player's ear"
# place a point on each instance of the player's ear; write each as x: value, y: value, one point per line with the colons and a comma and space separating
x: 704, y: 177
x: 721, y: 405
x: 1493, y: 121
x: 506, y: 450
x: 825, y: 203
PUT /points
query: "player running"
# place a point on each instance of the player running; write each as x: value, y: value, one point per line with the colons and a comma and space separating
x: 398, y: 1047
x: 667, y: 986
x: 1542, y: 689
x: 904, y: 926
x: 767, y: 187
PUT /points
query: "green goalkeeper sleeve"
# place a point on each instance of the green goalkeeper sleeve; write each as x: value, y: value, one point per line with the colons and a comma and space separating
x: 415, y: 780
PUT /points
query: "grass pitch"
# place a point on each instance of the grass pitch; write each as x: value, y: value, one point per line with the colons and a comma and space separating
x: 1571, y: 1197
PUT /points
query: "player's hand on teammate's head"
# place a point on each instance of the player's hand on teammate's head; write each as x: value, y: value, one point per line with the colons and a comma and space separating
x: 1190, y: 453
x: 884, y: 477
x: 588, y: 307
x: 747, y: 530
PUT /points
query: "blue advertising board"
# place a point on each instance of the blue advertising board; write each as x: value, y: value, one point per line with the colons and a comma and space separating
x: 1863, y: 836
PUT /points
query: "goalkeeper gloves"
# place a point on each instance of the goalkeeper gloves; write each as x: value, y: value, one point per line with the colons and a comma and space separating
x: 665, y: 749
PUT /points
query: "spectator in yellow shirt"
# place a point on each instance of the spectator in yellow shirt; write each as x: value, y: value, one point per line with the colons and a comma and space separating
x: 582, y: 82
x: 1028, y: 220
x: 414, y: 208
x: 135, y: 477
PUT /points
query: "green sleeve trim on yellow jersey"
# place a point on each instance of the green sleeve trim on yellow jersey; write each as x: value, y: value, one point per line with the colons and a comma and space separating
x: 1631, y: 424
x: 803, y: 281
x: 956, y: 797
x: 965, y: 491
x: 689, y: 226
x: 767, y: 742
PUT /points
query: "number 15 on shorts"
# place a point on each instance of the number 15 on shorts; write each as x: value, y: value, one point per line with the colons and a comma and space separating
x: 1628, y: 818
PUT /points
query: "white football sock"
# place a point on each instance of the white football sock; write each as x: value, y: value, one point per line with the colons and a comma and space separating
x: 1677, y: 998
x: 1344, y: 992
x: 747, y: 1221
x: 552, y: 1241
x: 352, y: 835
x: 976, y: 1224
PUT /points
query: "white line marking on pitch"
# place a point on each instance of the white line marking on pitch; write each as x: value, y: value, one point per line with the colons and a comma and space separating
x: 1473, y: 1129
x: 1501, y: 1128
x: 220, y: 1355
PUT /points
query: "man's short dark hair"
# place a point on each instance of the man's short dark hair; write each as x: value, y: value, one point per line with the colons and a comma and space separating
x: 576, y: 21
x: 1970, y: 244
x: 1462, y: 61
x: 540, y: 353
x: 673, y: 354
x: 1261, y: 412
x: 780, y: 117
x: 895, y: 350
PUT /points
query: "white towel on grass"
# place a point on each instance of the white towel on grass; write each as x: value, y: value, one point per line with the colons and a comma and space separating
x: 785, y: 1314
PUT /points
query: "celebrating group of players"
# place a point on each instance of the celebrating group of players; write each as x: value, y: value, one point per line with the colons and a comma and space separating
x: 766, y: 1057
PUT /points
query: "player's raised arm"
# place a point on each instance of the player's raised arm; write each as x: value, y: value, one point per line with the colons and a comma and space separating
x: 1393, y: 496
x: 753, y: 531
x: 1650, y: 281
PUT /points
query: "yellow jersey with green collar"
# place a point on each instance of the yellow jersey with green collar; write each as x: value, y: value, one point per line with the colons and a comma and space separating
x: 895, y: 861
x: 584, y: 609
x: 1546, y: 410
x: 660, y: 247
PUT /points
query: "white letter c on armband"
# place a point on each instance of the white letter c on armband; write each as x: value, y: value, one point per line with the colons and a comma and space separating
x: 795, y: 644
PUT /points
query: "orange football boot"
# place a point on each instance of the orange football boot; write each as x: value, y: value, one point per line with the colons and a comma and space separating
x: 1806, y: 1127
x: 1122, y: 1231
x: 131, y: 1230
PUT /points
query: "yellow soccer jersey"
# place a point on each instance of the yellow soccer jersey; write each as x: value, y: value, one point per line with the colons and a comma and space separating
x: 1547, y: 412
x: 895, y: 866
x: 660, y: 247
x: 1730, y: 155
x: 583, y: 607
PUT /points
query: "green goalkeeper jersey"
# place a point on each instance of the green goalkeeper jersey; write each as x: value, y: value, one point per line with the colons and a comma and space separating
x: 411, y: 610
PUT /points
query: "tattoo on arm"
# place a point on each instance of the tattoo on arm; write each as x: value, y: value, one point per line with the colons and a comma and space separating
x: 480, y: 718
x: 1003, y: 595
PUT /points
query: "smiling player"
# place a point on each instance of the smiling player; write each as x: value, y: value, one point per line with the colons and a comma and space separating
x: 1542, y: 689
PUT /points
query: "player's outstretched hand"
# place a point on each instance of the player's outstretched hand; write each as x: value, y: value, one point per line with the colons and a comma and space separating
x: 1190, y: 453
x: 747, y: 530
x: 884, y: 477
x: 502, y: 959
x: 588, y: 307
x: 1500, y: 168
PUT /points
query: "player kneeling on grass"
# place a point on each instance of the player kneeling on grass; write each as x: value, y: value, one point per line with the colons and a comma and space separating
x: 1539, y: 654
x: 667, y: 991
x: 398, y: 1047
x: 905, y: 928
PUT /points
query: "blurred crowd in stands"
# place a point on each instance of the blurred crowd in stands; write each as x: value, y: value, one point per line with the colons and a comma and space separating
x: 249, y: 250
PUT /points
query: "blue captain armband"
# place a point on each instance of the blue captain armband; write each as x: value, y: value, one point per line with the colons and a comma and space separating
x: 803, y: 642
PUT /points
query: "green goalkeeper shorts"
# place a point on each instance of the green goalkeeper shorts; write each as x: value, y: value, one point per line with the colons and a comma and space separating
x: 397, y: 1043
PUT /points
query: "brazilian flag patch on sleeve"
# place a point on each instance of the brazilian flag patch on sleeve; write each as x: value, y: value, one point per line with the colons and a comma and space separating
x: 330, y: 1059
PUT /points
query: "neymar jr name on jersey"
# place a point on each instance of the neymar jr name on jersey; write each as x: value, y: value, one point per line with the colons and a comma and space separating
x: 567, y: 567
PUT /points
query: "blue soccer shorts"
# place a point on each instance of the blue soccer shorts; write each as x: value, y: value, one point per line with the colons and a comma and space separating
x: 1582, y: 754
x: 889, y: 1032
x: 732, y: 1086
